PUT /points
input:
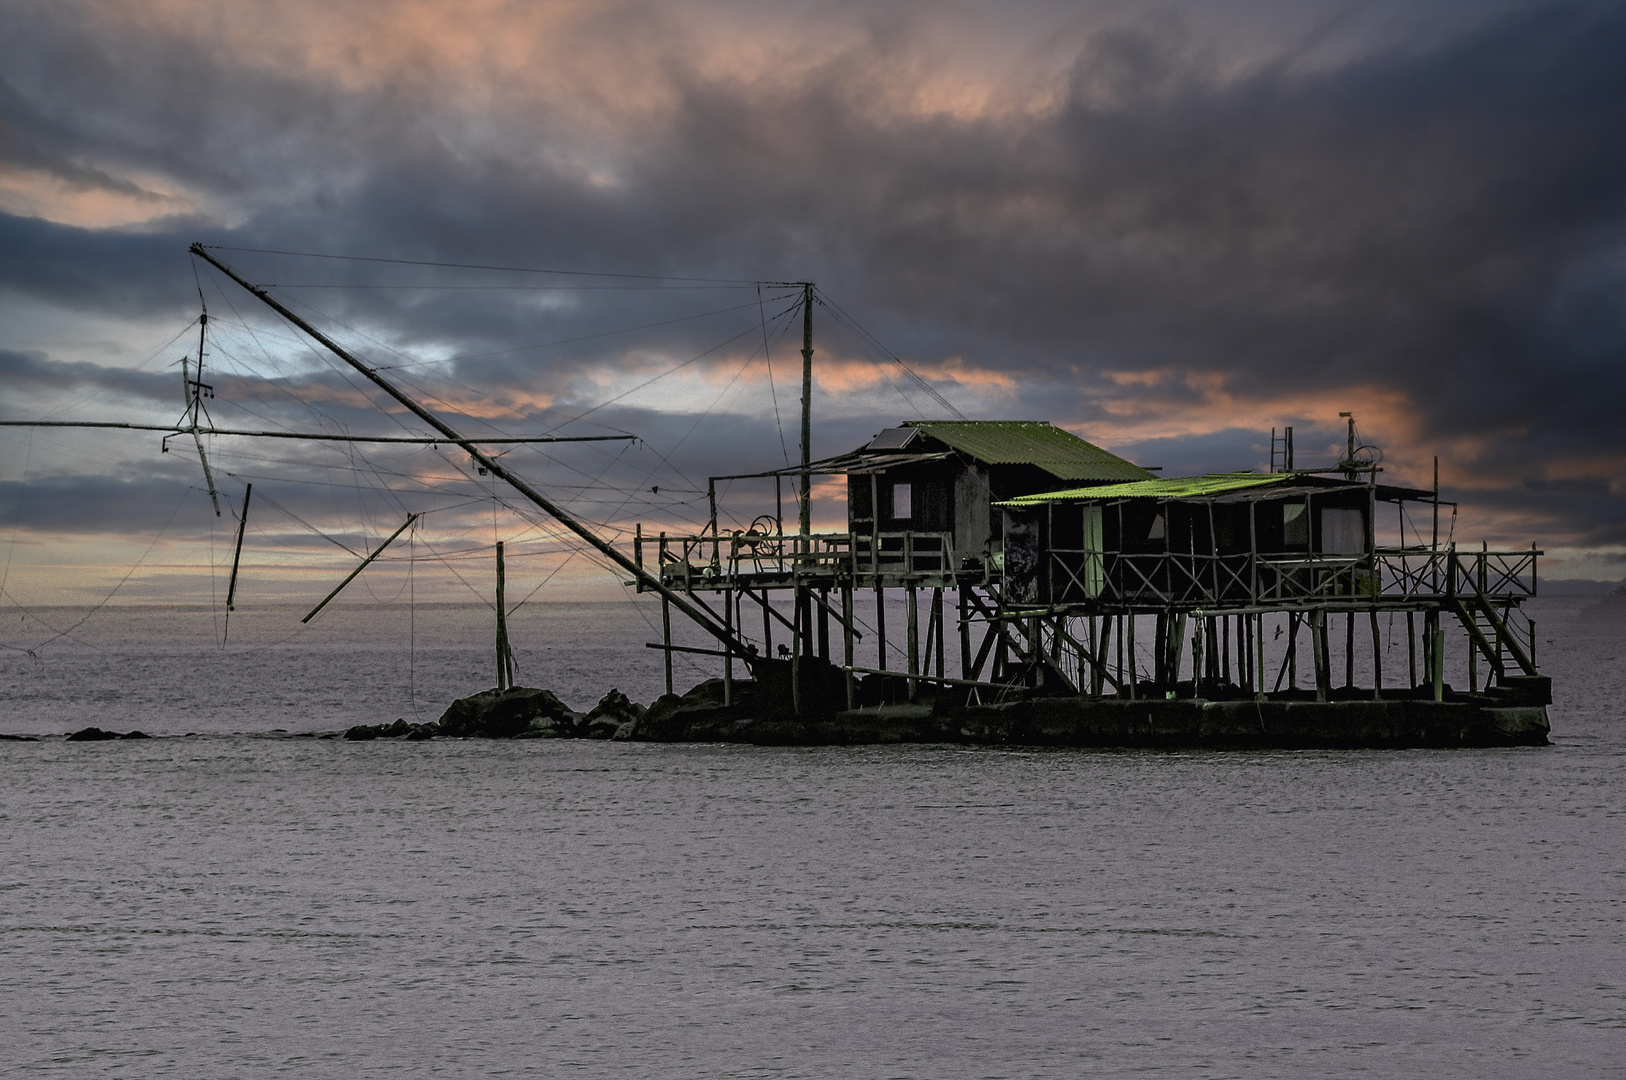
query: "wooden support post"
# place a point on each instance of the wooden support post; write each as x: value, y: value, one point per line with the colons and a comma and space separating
x: 1411, y: 648
x: 1225, y: 650
x: 824, y: 623
x: 965, y: 631
x: 847, y: 639
x: 880, y: 626
x: 1318, y: 650
x: 1259, y: 673
x: 767, y: 626
x: 1428, y: 651
x: 1177, y: 641
x: 1160, y: 650
x: 666, y: 639
x: 1435, y: 636
x: 1244, y: 653
x: 913, y: 615
x: 937, y: 618
x: 1120, y: 646
x: 1002, y: 648
x: 1198, y: 659
x: 505, y: 662
x: 728, y: 655
x: 1377, y: 658
x: 1349, y: 650
x: 796, y: 644
x: 1293, y: 621
x: 1473, y: 660
x: 1134, y: 676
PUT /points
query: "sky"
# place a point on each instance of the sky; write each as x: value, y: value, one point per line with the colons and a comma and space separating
x: 1169, y: 227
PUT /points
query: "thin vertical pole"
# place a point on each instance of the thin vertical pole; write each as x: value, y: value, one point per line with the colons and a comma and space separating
x: 1318, y: 652
x: 767, y: 627
x: 1377, y: 657
x: 1259, y: 679
x: 1435, y: 641
x: 1134, y: 676
x: 1293, y: 621
x: 797, y: 643
x: 824, y: 623
x: 913, y: 614
x: 728, y: 654
x: 1473, y: 662
x: 847, y: 637
x: 880, y: 625
x: 504, y: 661
x: 1349, y: 649
x: 1121, y: 652
x: 1434, y: 543
x: 807, y: 407
x: 1411, y: 648
x: 937, y: 617
x: 965, y: 631
x: 666, y: 639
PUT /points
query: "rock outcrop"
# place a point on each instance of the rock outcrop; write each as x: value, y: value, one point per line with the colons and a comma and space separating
x: 507, y: 714
x: 616, y: 716
x: 398, y: 730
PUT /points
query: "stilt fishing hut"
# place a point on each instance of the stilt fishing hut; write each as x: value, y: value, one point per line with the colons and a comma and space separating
x: 1215, y: 562
x: 921, y: 518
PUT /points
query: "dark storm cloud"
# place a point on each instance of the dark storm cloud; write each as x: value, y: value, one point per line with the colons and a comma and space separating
x: 1443, y: 220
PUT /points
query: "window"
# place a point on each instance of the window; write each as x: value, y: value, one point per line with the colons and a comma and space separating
x: 901, y: 499
x: 1295, y: 526
x: 1343, y: 531
x: 1158, y: 530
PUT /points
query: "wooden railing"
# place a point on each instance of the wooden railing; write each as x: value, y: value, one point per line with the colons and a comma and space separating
x: 1184, y: 578
x: 700, y: 560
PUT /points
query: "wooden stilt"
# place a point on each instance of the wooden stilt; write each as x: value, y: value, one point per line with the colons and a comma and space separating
x: 797, y: 644
x: 1259, y: 646
x: 965, y: 631
x: 824, y: 623
x: 880, y: 626
x: 1435, y: 648
x: 1134, y: 675
x: 1377, y: 658
x: 505, y: 663
x: 1121, y: 655
x: 1411, y: 648
x: 666, y: 639
x: 1318, y: 650
x: 1160, y: 650
x: 847, y: 639
x: 728, y: 654
x: 1349, y: 650
x: 912, y: 613
x: 937, y: 617
x: 1293, y: 621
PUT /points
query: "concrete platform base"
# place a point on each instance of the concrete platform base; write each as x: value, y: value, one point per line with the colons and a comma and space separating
x: 701, y: 717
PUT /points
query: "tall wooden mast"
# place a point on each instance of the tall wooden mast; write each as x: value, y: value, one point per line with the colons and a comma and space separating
x: 807, y: 408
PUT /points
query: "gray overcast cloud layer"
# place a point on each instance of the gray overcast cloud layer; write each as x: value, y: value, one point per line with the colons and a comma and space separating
x: 1156, y: 228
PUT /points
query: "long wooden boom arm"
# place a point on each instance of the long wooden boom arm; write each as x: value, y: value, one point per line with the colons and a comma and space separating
x: 492, y: 465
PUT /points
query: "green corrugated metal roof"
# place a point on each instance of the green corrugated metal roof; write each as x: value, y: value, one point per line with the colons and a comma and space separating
x: 1032, y: 442
x: 1173, y: 487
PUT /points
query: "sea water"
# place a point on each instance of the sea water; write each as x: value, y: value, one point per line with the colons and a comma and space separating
x: 246, y: 902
